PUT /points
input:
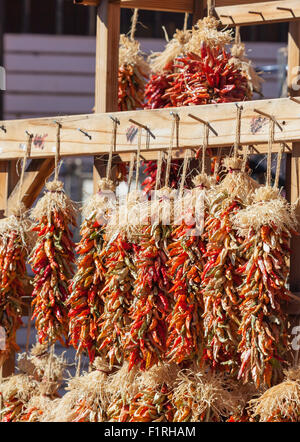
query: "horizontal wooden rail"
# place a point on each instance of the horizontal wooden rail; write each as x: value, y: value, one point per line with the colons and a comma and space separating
x: 259, y: 13
x: 91, y: 134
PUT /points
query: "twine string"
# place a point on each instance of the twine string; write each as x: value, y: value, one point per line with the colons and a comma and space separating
x: 237, y: 131
x: 138, y: 156
x: 186, y: 17
x: 133, y: 23
x: 158, y: 172
x: 185, y: 165
x: 244, y: 164
x: 204, y: 146
x: 78, y: 365
x: 26, y: 155
x: 279, y: 157
x: 28, y: 330
x: 130, y: 172
x: 237, y: 35
x: 174, y: 131
x: 57, y: 152
x: 112, y: 149
x: 217, y: 163
x: 270, y: 144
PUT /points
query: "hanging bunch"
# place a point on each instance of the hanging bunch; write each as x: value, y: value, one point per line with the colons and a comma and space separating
x: 220, y: 278
x: 52, y: 261
x: 162, y: 66
x: 186, y: 263
x: 28, y: 396
x: 86, y: 399
x: 148, y: 400
x: 86, y: 302
x: 200, y: 397
x: 52, y: 258
x: 115, y: 322
x: 133, y: 72
x: 15, y: 243
x: 267, y: 226
x: 280, y: 403
x: 146, y: 341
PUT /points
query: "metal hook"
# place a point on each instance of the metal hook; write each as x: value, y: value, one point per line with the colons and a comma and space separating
x: 294, y: 99
x: 268, y: 116
x: 175, y: 115
x: 3, y: 128
x: 257, y: 13
x: 228, y: 16
x: 58, y: 123
x: 115, y: 119
x: 204, y: 122
x: 29, y: 134
x: 281, y: 8
x: 143, y: 127
x: 85, y: 133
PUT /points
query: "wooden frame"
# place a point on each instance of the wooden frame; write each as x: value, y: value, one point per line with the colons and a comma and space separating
x: 93, y: 138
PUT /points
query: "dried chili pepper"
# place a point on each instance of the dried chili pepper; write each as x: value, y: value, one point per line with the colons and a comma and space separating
x: 52, y: 261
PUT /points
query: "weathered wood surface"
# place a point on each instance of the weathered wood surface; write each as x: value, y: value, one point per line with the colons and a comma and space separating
x: 97, y: 127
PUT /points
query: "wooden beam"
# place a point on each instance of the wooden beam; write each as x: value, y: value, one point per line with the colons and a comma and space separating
x: 87, y: 2
x: 198, y: 11
x: 158, y: 5
x: 95, y: 135
x: 259, y: 13
x: 107, y: 57
x: 34, y: 180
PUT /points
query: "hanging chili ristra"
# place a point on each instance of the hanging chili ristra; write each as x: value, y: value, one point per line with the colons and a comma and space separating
x: 267, y: 225
x: 86, y: 301
x: 185, y: 329
x: 52, y: 261
x: 146, y: 341
x: 220, y: 278
x: 14, y: 248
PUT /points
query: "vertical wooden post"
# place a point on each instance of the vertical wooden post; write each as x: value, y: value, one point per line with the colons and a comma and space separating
x: 107, y: 64
x: 293, y: 160
x: 198, y: 10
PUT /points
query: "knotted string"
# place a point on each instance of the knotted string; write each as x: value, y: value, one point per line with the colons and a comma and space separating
x: 244, y: 164
x: 270, y: 144
x: 158, y: 171
x: 237, y: 131
x: 134, y: 23
x: 138, y: 155
x: 112, y: 149
x: 217, y: 163
x: 279, y: 157
x: 174, y: 131
x: 57, y: 152
x: 204, y: 146
x: 185, y: 165
x: 26, y: 155
x: 186, y: 17
x: 130, y: 172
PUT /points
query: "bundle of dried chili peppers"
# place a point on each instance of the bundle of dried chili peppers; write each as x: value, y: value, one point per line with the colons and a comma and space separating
x: 162, y: 66
x: 220, y: 278
x: 86, y: 399
x: 186, y: 263
x: 201, y: 397
x: 149, y: 400
x: 27, y: 396
x: 132, y: 77
x: 52, y: 261
x: 267, y: 226
x: 117, y: 294
x: 86, y: 302
x: 280, y: 403
x: 15, y: 241
x: 146, y: 340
